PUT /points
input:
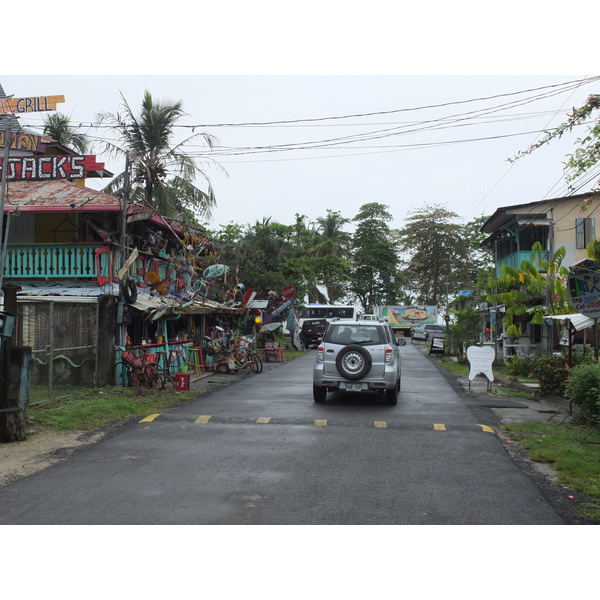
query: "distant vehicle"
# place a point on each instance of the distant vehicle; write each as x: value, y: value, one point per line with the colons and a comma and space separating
x: 368, y: 318
x: 312, y: 332
x: 358, y: 356
x: 329, y: 312
x: 426, y: 332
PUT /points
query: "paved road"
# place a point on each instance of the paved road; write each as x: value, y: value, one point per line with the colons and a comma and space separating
x: 261, y: 452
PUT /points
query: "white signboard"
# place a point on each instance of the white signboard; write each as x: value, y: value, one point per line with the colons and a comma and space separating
x: 584, y: 290
x: 481, y: 359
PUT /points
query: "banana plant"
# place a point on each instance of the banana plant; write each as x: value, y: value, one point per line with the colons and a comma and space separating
x: 538, y: 288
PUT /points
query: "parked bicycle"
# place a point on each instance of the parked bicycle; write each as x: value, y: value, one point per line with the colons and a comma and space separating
x: 136, y: 370
x: 230, y: 361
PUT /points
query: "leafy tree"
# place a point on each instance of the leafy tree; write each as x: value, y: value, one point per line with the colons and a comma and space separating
x: 436, y: 254
x: 587, y: 152
x: 480, y: 261
x: 374, y: 279
x: 59, y: 128
x: 163, y: 174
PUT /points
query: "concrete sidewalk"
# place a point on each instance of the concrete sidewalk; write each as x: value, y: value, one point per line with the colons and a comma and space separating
x: 529, y: 408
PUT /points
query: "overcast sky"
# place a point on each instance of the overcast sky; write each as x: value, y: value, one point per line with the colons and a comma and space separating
x: 432, y: 139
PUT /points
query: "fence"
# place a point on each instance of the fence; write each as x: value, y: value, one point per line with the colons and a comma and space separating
x: 63, y: 336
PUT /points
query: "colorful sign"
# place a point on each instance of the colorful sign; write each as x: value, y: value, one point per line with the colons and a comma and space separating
x: 23, y: 141
x: 32, y: 168
x: 584, y: 289
x: 26, y: 105
x: 288, y: 293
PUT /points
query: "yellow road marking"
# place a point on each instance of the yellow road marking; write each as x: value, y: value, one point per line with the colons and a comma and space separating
x: 439, y: 427
x: 149, y: 418
x: 380, y: 424
x: 203, y: 419
x: 263, y: 419
x: 486, y: 428
x: 321, y: 422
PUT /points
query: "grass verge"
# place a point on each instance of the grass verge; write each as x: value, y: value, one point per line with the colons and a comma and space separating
x: 88, y: 409
x: 572, y: 451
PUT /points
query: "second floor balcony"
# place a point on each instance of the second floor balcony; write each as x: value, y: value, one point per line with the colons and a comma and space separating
x: 516, y: 258
x: 80, y: 261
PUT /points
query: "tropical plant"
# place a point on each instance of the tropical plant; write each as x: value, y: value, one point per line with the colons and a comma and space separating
x: 331, y: 252
x: 58, y: 127
x: 463, y: 329
x: 583, y: 389
x: 537, y: 288
x: 552, y: 372
x: 163, y: 175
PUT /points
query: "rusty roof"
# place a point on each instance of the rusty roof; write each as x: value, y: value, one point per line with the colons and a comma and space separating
x: 56, y: 196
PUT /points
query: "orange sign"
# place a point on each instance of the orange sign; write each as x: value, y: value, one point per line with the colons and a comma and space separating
x: 27, y: 105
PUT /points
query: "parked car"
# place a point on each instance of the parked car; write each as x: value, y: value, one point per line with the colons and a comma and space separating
x: 426, y: 332
x: 358, y: 356
x: 312, y: 332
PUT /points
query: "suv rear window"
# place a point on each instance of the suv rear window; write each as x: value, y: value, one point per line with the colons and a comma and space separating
x: 364, y: 335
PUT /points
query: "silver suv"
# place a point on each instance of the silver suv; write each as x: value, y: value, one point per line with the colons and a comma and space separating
x: 358, y: 356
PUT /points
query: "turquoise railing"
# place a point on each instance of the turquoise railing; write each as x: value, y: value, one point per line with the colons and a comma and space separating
x: 515, y: 260
x: 51, y: 260
x: 79, y: 261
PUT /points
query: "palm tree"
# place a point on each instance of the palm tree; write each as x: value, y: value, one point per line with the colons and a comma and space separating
x: 163, y: 175
x: 58, y: 127
x: 333, y: 239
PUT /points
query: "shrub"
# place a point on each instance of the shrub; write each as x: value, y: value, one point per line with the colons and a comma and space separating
x: 582, y: 355
x: 519, y: 366
x: 551, y: 371
x: 583, y: 389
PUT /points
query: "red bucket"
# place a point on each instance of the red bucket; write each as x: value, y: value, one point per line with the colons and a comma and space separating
x: 182, y: 381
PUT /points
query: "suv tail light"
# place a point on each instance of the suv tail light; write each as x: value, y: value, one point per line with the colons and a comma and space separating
x: 389, y: 352
x: 320, y: 351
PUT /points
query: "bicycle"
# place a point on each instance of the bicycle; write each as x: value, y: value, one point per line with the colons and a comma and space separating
x: 232, y: 360
x: 136, y: 370
x: 244, y: 356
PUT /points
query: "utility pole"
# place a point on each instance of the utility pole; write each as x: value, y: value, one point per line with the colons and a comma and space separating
x: 7, y: 141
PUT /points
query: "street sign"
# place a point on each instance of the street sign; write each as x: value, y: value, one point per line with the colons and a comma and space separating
x: 584, y: 289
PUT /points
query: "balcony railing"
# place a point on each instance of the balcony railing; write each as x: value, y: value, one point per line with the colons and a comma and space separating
x: 51, y: 260
x: 99, y: 262
x: 514, y: 260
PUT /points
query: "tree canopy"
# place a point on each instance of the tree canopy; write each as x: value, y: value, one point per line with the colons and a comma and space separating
x: 436, y: 254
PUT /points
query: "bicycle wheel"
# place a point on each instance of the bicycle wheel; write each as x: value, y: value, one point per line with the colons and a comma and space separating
x: 255, y: 362
x: 152, y: 378
x: 123, y: 375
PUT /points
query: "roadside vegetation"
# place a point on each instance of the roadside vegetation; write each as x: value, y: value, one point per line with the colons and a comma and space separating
x: 570, y: 446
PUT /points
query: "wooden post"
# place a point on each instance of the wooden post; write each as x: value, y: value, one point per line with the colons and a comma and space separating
x: 13, y: 425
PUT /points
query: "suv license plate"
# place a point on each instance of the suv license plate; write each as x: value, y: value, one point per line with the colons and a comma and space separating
x: 354, y: 387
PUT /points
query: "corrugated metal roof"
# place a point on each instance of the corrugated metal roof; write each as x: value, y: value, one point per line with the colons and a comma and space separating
x: 56, y: 196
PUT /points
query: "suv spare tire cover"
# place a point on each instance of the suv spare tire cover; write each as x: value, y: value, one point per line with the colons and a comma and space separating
x: 353, y: 362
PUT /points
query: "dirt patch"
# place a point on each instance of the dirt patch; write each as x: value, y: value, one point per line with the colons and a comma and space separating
x: 40, y: 450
